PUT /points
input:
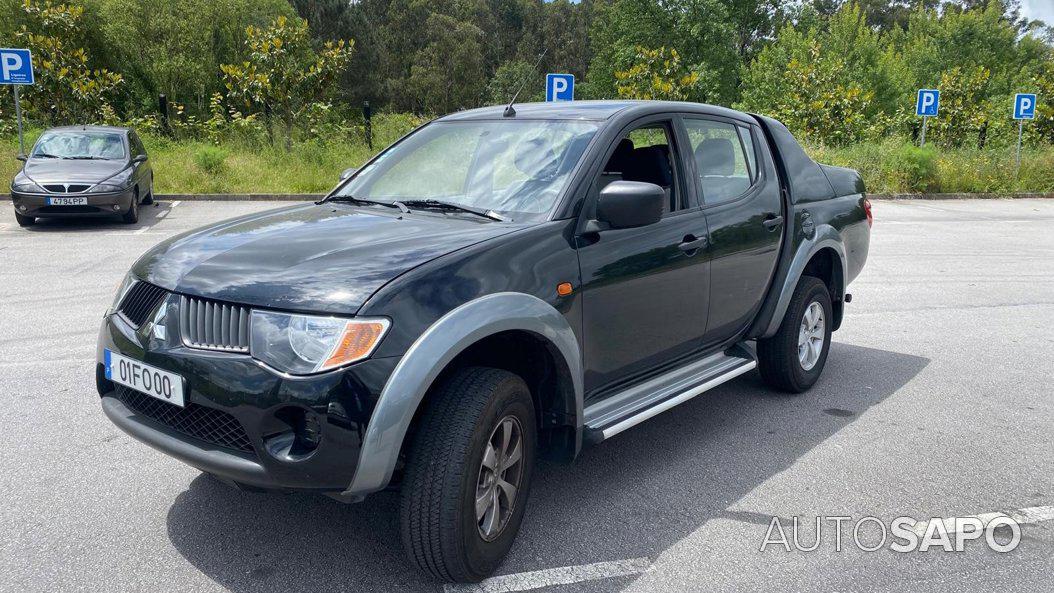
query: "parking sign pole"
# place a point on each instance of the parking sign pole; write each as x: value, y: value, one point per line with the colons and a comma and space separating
x: 922, y: 137
x: 1020, y: 131
x: 18, y: 116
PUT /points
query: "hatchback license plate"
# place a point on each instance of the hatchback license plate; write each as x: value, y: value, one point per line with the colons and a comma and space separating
x: 67, y: 201
x: 163, y: 385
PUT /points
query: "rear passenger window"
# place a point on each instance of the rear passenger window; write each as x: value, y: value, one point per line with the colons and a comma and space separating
x: 722, y: 164
x: 748, y: 146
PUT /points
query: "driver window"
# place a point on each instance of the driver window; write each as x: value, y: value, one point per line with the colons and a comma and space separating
x: 645, y: 154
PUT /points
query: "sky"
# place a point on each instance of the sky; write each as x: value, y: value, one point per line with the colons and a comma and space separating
x: 1039, y: 9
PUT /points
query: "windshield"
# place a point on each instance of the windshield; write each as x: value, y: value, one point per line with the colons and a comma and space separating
x: 80, y: 145
x: 518, y: 168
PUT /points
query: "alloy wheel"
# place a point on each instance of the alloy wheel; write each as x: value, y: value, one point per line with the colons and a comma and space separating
x: 499, y: 478
x: 811, y: 335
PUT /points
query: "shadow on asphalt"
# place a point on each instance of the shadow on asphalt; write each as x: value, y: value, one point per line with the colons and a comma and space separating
x: 633, y: 496
x: 148, y: 216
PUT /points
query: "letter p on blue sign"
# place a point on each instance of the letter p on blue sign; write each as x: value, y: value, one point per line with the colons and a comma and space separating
x: 1024, y: 106
x: 559, y: 87
x: 928, y: 103
x: 16, y: 66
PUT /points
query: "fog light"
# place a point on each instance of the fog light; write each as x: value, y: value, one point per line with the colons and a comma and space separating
x: 116, y: 207
x: 299, y: 437
x: 22, y: 207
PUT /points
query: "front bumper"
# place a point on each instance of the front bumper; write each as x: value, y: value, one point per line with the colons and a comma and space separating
x: 272, y: 409
x: 36, y: 205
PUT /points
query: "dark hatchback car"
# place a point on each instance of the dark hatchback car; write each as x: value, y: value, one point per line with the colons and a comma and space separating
x: 498, y: 286
x: 83, y: 171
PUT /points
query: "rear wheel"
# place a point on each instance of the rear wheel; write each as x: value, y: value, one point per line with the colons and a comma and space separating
x: 793, y: 359
x: 468, y: 474
x: 149, y: 198
x: 24, y: 220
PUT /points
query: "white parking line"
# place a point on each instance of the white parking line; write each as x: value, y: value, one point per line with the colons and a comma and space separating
x: 525, y: 581
x: 1021, y: 516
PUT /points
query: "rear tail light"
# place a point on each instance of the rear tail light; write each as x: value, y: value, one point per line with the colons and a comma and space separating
x: 867, y: 211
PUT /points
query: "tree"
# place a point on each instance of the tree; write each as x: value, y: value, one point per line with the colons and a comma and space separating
x: 175, y: 47
x: 283, y: 74
x: 700, y: 31
x: 67, y: 89
x: 447, y: 74
x: 510, y: 77
x: 657, y: 74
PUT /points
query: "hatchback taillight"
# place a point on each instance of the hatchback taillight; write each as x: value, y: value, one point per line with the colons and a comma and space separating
x: 867, y: 211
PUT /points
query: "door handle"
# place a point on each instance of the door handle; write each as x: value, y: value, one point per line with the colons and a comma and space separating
x: 772, y: 222
x: 692, y: 243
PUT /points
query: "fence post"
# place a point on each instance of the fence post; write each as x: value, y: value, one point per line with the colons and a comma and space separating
x: 367, y: 115
x: 162, y: 108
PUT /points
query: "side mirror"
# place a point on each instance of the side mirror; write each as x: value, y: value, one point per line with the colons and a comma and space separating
x: 348, y: 172
x: 629, y: 204
x: 140, y: 158
x: 22, y: 157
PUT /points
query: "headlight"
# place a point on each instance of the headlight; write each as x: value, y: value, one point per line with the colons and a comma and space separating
x: 122, y: 290
x: 25, y: 184
x: 306, y: 344
x: 104, y: 188
x: 113, y: 184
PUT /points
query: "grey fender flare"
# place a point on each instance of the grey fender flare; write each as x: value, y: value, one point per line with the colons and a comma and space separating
x: 430, y: 354
x: 826, y: 237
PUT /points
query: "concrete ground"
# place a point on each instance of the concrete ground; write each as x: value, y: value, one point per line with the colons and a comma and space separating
x: 936, y: 402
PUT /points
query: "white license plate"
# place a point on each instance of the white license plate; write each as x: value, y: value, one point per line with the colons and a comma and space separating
x: 67, y: 201
x: 140, y: 376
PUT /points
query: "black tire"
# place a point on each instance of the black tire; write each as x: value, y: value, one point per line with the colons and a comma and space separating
x: 440, y: 530
x: 778, y: 359
x: 132, y: 216
x: 24, y: 221
x: 149, y: 198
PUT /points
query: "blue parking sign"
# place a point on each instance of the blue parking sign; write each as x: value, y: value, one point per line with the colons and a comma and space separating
x: 559, y: 87
x: 1024, y: 106
x: 928, y: 102
x: 16, y: 66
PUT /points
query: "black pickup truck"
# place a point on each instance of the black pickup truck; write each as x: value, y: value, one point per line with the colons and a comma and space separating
x: 501, y: 284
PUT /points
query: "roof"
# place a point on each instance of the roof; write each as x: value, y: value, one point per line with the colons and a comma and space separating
x: 589, y: 110
x: 87, y: 128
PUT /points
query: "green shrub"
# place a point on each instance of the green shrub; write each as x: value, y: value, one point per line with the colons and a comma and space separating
x: 210, y: 159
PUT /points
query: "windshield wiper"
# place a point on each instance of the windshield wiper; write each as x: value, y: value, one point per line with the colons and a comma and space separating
x: 47, y: 155
x: 394, y: 204
x: 87, y: 158
x: 442, y: 205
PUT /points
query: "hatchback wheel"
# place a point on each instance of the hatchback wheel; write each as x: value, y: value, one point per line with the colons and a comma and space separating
x: 24, y: 220
x: 132, y: 216
x: 468, y: 474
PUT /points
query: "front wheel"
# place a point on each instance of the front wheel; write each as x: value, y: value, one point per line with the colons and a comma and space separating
x: 468, y: 473
x: 24, y: 221
x: 793, y: 359
x: 132, y: 216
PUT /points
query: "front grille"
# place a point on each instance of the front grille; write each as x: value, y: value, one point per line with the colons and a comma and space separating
x: 140, y: 302
x: 207, y: 424
x: 66, y: 188
x: 213, y: 326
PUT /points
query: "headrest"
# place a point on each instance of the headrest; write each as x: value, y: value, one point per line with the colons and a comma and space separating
x: 617, y: 162
x: 716, y: 156
x: 650, y: 164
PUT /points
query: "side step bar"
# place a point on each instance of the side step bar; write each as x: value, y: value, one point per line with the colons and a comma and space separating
x: 638, y: 403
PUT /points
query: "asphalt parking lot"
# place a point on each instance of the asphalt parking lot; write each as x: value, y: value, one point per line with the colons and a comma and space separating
x: 936, y: 402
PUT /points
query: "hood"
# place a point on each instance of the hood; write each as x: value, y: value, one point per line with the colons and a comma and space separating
x: 325, y: 258
x: 64, y: 170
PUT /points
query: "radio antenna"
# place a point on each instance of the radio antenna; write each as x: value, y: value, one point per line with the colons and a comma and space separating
x: 509, y: 111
